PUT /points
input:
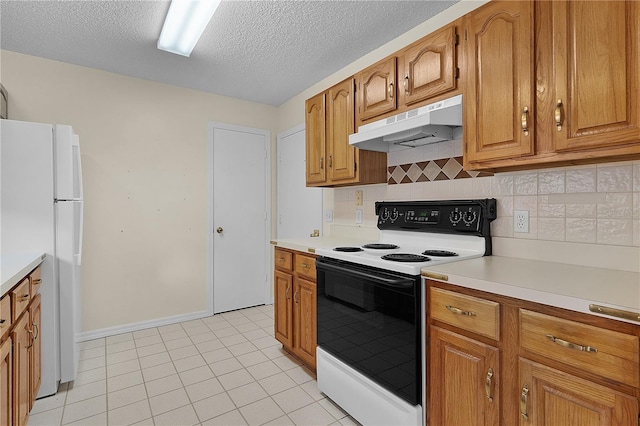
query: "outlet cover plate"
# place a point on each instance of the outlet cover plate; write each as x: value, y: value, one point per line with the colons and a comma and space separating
x: 521, y: 221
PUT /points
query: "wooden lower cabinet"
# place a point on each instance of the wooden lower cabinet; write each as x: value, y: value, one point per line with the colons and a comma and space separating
x: 6, y: 383
x: 549, y: 366
x: 20, y: 351
x: 21, y: 364
x: 467, y: 373
x: 550, y: 397
x: 295, y: 304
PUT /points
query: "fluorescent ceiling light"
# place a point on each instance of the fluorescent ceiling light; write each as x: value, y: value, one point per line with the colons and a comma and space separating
x: 184, y: 24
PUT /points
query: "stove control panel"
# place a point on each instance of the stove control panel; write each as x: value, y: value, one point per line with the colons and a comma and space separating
x: 437, y: 216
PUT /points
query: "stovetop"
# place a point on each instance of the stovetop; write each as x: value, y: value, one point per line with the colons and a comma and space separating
x: 411, y: 228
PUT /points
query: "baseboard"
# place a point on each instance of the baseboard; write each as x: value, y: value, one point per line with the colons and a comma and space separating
x: 127, y: 328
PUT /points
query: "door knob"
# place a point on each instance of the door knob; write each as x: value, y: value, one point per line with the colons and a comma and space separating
x: 219, y: 230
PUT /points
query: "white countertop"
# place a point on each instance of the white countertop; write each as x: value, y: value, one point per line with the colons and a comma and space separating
x: 554, y: 284
x: 14, y: 267
x: 310, y: 244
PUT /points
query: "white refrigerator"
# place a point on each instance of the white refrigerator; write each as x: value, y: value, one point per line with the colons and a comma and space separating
x: 41, y: 210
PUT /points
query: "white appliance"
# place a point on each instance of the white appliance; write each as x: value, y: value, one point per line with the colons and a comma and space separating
x: 41, y: 210
x: 436, y: 122
x: 370, y: 305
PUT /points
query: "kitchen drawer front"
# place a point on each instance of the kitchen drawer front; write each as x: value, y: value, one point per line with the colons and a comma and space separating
x: 35, y: 278
x: 466, y: 312
x: 283, y: 260
x: 607, y: 353
x: 20, y: 298
x: 306, y: 266
x: 5, y: 315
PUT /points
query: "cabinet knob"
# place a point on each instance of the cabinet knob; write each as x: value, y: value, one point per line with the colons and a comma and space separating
x: 219, y: 230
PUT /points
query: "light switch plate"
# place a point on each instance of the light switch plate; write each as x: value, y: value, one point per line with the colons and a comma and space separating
x: 328, y: 215
x: 358, y: 216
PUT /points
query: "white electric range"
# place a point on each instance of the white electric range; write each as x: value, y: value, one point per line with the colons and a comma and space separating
x: 370, y: 305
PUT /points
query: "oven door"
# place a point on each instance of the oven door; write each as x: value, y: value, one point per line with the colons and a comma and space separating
x: 369, y: 319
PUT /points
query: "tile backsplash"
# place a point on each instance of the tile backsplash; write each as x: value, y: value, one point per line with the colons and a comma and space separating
x: 594, y: 204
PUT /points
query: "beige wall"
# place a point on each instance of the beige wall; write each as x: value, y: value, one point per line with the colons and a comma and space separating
x: 144, y: 152
x: 145, y: 173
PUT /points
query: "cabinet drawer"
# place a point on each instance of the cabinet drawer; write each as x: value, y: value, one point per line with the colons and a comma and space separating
x: 20, y: 298
x: 466, y: 312
x: 306, y: 266
x: 283, y: 260
x: 5, y: 315
x: 608, y: 353
x: 35, y: 278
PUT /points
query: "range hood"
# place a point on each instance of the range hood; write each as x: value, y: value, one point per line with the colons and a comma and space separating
x: 437, y: 122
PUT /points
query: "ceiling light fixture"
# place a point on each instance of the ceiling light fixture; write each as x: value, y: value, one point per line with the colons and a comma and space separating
x: 184, y: 24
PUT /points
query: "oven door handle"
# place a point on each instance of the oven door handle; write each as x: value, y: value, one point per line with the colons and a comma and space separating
x: 399, y: 282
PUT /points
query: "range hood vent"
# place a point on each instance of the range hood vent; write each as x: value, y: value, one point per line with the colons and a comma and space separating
x: 437, y: 122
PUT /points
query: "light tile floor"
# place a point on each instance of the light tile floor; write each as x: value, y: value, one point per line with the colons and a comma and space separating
x: 221, y: 370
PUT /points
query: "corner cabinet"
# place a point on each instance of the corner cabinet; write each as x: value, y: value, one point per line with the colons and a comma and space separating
x: 551, y: 83
x: 295, y: 304
x: 330, y: 160
x: 495, y: 360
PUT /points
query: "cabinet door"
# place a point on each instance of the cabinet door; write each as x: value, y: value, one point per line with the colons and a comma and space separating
x: 35, y: 355
x: 283, y: 292
x: 340, y: 124
x: 499, y: 98
x: 6, y: 383
x: 465, y: 381
x: 596, y: 74
x: 551, y: 397
x: 377, y: 89
x: 315, y: 139
x: 428, y: 67
x: 304, y: 312
x: 21, y: 365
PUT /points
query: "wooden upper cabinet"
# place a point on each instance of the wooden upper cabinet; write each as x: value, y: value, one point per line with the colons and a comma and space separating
x: 428, y: 68
x: 340, y: 124
x: 498, y: 97
x: 376, y: 89
x: 315, y: 139
x: 595, y: 58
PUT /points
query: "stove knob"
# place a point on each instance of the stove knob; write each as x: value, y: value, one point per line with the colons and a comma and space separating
x: 394, y: 215
x: 469, y: 217
x: 384, y: 215
x: 455, y: 217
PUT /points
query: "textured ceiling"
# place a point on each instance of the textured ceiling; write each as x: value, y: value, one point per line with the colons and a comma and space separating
x: 264, y: 51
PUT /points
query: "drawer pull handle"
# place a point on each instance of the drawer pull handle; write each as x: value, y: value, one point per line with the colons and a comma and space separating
x: 406, y: 84
x: 390, y: 90
x: 37, y: 281
x: 523, y: 402
x: 286, y: 293
x: 570, y: 345
x: 306, y: 266
x: 458, y: 311
x: 281, y: 259
x: 37, y: 331
x: 2, y: 321
x: 628, y: 315
x: 487, y: 384
x: 296, y: 297
x: 24, y: 297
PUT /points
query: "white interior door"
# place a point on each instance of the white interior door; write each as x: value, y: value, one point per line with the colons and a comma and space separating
x: 240, y: 213
x: 299, y: 207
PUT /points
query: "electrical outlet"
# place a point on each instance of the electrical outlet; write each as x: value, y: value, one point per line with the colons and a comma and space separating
x: 521, y: 221
x: 358, y: 197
